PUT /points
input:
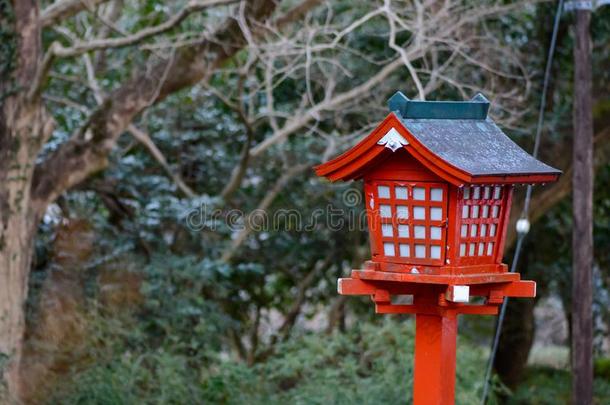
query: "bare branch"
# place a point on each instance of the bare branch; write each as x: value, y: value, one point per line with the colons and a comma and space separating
x: 403, y: 53
x: 301, y: 120
x: 66, y: 102
x: 42, y: 70
x: 87, y: 150
x: 140, y: 135
x: 105, y: 43
x: 295, y: 13
x: 301, y: 293
x: 239, y: 171
x: 62, y: 9
x: 264, y: 204
x: 149, y: 144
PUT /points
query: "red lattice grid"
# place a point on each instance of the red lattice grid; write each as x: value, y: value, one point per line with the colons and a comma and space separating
x: 408, y: 221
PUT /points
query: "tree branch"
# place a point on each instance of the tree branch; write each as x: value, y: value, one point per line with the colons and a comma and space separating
x: 301, y: 120
x: 239, y: 171
x: 105, y: 43
x: 301, y: 293
x: 295, y: 13
x: 62, y: 9
x: 87, y: 150
x: 140, y: 135
x: 148, y: 143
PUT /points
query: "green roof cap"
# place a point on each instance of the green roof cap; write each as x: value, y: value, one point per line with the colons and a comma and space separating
x: 474, y: 109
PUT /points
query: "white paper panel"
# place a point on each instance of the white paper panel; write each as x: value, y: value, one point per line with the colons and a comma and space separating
x: 475, y: 211
x: 402, y: 211
x: 465, y: 211
x: 385, y: 211
x: 497, y: 192
x: 403, y: 231
x: 485, y: 211
x: 486, y: 192
x: 383, y: 191
x: 476, y: 193
x: 419, y: 213
x: 419, y: 193
x: 388, y: 249
x: 387, y: 230
x: 436, y: 194
x: 401, y: 193
x: 435, y: 252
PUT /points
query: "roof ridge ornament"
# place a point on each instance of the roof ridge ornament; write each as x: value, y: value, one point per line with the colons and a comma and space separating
x: 473, y: 109
x: 398, y: 103
x: 393, y: 140
x: 479, y: 98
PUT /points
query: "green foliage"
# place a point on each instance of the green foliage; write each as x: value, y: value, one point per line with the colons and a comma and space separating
x: 180, y: 344
x: 545, y: 386
x: 602, y: 368
x: 370, y: 364
x: 8, y: 48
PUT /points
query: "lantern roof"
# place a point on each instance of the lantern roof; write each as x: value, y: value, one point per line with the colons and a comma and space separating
x: 454, y: 139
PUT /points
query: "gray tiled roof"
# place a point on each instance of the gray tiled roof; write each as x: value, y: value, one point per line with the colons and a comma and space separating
x: 477, y: 146
x: 465, y: 137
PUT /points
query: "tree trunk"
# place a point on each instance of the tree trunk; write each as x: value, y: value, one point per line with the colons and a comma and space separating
x: 582, y: 200
x: 518, y: 332
x: 516, y: 341
x: 18, y: 221
x: 24, y: 126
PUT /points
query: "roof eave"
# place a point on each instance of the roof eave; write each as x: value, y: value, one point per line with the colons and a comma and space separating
x: 349, y: 165
x: 367, y: 145
x: 520, y: 178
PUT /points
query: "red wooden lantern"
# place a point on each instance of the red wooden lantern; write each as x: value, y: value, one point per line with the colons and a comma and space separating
x: 438, y: 181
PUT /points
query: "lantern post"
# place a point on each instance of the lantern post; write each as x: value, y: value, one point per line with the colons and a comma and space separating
x: 438, y: 184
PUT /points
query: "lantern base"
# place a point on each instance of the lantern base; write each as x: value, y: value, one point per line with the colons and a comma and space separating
x: 435, y: 294
x: 437, y: 300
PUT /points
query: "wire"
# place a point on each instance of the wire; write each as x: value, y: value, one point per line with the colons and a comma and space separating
x: 528, y: 198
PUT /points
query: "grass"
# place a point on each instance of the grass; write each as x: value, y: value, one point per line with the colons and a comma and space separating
x: 547, y: 385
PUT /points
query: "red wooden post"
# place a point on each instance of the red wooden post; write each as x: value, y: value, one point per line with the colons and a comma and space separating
x: 435, y: 351
x: 437, y: 196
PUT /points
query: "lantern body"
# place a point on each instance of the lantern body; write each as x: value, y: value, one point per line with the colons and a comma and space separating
x: 418, y: 222
x: 438, y: 180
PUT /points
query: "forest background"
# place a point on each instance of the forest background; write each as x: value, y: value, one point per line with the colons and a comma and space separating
x: 169, y: 241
